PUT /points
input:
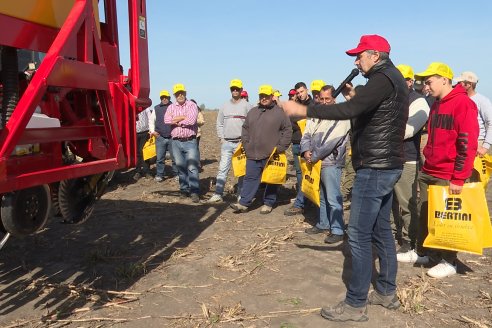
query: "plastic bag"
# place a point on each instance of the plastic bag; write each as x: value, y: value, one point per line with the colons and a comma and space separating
x: 275, y: 171
x: 239, y: 161
x: 483, y: 165
x: 148, y: 150
x: 459, y: 222
x: 311, y: 175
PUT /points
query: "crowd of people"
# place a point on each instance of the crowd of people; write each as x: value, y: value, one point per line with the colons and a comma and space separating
x: 402, y: 132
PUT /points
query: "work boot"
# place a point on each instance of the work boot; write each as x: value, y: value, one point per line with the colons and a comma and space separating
x: 238, y: 208
x: 315, y: 230
x: 265, y: 209
x: 216, y: 198
x: 293, y: 211
x: 195, y: 198
x: 390, y: 302
x: 345, y: 312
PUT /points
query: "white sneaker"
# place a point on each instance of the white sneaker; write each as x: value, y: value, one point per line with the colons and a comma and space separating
x: 442, y: 270
x: 215, y: 199
x: 412, y: 257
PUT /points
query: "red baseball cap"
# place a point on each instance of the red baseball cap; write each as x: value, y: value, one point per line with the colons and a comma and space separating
x: 370, y: 42
x: 244, y: 93
x: 292, y: 92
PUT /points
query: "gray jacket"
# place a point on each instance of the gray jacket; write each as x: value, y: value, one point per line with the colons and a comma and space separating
x: 326, y: 139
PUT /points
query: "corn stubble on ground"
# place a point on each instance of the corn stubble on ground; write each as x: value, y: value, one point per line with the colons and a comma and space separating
x: 150, y: 258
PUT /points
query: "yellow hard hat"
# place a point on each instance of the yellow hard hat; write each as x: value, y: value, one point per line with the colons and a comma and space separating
x: 164, y: 93
x: 406, y: 71
x: 178, y: 87
x: 265, y: 89
x: 236, y: 83
x: 316, y: 85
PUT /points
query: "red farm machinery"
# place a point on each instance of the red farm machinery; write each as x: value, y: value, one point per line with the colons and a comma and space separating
x: 67, y: 110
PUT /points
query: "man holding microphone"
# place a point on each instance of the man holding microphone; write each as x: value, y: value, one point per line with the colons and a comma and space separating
x: 378, y: 113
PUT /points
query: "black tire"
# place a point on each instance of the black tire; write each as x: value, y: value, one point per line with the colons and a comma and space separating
x: 75, y: 200
x: 26, y: 211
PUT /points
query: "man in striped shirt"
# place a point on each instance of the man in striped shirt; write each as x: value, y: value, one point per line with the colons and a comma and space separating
x: 182, y: 115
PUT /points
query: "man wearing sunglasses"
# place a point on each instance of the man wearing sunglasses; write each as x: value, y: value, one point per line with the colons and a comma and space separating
x: 229, y: 127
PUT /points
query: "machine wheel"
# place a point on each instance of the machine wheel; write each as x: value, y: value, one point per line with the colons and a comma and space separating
x: 55, y: 206
x: 77, y: 197
x: 25, y: 211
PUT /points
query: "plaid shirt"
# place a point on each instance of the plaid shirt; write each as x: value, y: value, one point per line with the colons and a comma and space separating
x: 187, y: 127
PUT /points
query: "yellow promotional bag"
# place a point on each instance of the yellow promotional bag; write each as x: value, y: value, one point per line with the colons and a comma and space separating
x: 302, y: 125
x: 239, y: 161
x: 311, y: 175
x: 459, y: 222
x: 483, y: 165
x: 275, y: 171
x: 148, y: 150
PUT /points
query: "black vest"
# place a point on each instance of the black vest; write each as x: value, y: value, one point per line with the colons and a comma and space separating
x: 379, y: 133
x: 162, y: 128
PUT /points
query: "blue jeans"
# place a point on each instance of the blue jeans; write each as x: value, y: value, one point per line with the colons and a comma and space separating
x: 300, y: 199
x: 162, y: 145
x: 186, y: 157
x: 226, y: 152
x: 330, y: 200
x: 369, y: 223
x: 251, y: 182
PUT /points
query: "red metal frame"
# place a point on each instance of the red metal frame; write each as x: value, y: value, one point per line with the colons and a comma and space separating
x: 79, y: 82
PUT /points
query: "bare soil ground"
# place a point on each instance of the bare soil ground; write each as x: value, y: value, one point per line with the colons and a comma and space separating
x: 148, y: 258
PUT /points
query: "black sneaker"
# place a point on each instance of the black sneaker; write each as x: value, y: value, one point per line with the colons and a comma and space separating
x: 333, y: 239
x: 345, y: 312
x: 314, y: 230
x: 390, y: 302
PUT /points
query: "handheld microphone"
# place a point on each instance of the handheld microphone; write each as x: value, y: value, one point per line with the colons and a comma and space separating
x: 349, y: 78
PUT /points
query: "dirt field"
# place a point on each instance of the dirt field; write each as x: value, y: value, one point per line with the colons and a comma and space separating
x: 148, y: 258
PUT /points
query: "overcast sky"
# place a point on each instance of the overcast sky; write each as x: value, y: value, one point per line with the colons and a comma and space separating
x: 205, y: 44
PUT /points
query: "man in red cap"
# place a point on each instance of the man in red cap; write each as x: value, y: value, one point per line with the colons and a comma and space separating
x: 379, y: 112
x: 244, y: 95
x: 292, y: 94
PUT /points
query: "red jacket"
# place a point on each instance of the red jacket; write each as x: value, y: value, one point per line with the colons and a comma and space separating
x: 453, y: 137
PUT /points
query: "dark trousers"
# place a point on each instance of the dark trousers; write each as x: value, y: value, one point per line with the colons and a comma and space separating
x: 252, y: 181
x: 142, y: 166
x: 425, y: 181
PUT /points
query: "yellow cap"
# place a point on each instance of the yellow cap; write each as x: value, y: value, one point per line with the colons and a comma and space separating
x: 277, y: 93
x: 316, y: 85
x: 178, y: 87
x: 437, y: 69
x: 236, y: 83
x: 406, y: 71
x: 265, y: 89
x: 164, y: 93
